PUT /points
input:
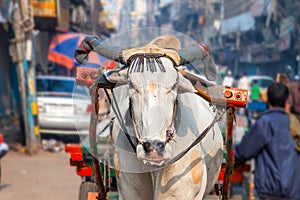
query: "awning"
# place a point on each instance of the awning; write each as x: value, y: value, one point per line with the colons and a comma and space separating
x: 242, y: 22
x: 164, y: 3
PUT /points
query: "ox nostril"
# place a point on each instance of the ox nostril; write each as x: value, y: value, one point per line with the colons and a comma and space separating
x: 148, y: 147
x: 160, y: 146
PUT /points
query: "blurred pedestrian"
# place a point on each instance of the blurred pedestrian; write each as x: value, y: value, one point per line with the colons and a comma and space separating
x: 255, y: 91
x: 3, y: 146
x: 228, y: 79
x: 236, y: 81
x: 244, y: 83
x: 269, y: 142
x: 294, y: 98
x: 289, y: 72
x: 282, y: 78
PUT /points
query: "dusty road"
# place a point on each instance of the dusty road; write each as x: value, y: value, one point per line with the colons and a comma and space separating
x: 44, y: 176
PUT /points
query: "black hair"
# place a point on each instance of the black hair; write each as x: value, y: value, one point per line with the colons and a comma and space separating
x: 277, y: 94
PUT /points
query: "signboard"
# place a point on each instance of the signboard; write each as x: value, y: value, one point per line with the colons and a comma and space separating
x: 63, y: 19
x: 44, y: 8
x: 51, y: 14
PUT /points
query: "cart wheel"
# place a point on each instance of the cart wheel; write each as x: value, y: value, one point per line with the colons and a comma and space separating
x: 85, y: 187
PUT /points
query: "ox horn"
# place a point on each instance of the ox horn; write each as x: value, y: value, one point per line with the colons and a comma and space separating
x: 106, y: 49
x: 109, y: 51
x: 102, y: 47
x: 200, y: 52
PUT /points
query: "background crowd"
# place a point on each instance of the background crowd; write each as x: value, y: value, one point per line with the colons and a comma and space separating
x: 273, y: 137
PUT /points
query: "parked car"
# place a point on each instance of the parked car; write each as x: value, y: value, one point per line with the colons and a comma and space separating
x: 263, y: 82
x: 64, y: 107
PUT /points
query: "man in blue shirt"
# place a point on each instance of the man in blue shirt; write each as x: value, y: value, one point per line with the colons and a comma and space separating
x: 270, y: 143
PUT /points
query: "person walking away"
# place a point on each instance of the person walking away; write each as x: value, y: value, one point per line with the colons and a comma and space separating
x: 244, y: 83
x: 228, y: 79
x: 270, y: 144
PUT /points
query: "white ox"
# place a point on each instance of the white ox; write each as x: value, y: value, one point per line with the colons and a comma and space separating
x: 164, y: 116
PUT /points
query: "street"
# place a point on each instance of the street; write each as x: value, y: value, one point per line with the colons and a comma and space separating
x: 42, y: 176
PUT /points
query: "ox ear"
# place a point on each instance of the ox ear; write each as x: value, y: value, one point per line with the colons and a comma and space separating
x: 185, y: 85
x: 118, y: 77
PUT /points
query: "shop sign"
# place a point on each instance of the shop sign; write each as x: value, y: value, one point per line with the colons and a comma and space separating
x: 44, y: 8
x: 284, y: 42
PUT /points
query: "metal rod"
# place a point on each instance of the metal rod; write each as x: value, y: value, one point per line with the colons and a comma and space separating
x: 230, y: 153
x: 92, y: 136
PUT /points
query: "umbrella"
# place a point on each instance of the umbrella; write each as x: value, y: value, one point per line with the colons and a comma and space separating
x: 62, y: 47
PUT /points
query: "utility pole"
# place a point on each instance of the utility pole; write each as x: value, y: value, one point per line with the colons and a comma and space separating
x: 236, y: 57
x: 150, y: 13
x: 21, y: 52
x: 221, y: 22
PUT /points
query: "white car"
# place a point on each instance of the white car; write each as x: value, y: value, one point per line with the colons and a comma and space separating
x: 64, y: 107
x: 262, y: 81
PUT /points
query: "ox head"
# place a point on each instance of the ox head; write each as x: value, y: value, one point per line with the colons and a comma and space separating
x: 154, y: 84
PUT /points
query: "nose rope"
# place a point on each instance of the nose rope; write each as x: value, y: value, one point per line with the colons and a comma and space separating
x: 139, y: 141
x: 171, y: 130
x: 117, y: 111
x: 218, y: 117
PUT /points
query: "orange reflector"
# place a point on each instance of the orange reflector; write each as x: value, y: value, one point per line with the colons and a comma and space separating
x: 76, y: 156
x: 73, y: 148
x: 92, y: 195
x: 84, y: 171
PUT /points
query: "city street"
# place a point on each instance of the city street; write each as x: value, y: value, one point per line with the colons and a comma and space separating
x: 47, y: 175
x: 42, y: 176
x: 137, y: 81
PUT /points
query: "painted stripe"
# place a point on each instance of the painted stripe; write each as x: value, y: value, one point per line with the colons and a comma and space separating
x: 37, y: 130
x: 153, y: 88
x: 34, y: 108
